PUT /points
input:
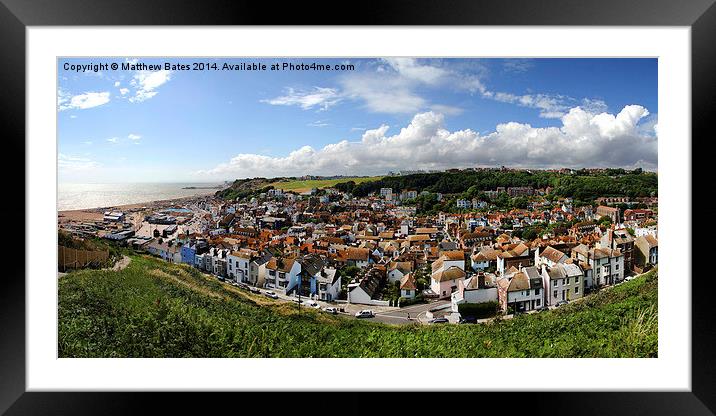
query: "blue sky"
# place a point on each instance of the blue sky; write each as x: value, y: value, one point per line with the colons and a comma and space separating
x: 385, y: 114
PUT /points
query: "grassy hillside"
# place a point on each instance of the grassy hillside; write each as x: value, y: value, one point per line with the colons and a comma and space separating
x: 156, y: 309
x: 305, y: 186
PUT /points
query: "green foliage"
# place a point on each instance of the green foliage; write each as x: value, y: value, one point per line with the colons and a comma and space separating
x: 157, y: 309
x: 478, y: 310
x: 347, y: 274
x: 66, y: 239
x: 615, y: 182
x: 605, y: 220
x: 419, y: 298
x: 583, y: 186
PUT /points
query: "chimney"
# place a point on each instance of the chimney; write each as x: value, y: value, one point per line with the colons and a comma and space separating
x: 481, y: 280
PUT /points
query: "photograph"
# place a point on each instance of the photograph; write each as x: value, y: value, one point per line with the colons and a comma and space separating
x: 357, y: 207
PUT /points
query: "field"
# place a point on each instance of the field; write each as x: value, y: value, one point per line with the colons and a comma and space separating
x: 305, y: 186
x: 156, y: 309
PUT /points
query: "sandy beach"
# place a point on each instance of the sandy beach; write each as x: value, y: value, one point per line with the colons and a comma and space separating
x: 97, y: 214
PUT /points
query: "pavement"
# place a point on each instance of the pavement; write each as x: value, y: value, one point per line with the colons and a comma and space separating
x: 409, y: 314
x: 385, y: 314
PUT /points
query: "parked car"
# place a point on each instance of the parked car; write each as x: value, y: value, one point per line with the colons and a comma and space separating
x: 365, y: 313
x: 299, y: 301
x: 468, y: 320
x: 439, y: 321
x: 271, y: 294
x: 331, y: 310
x: 561, y: 302
x: 543, y: 309
x: 254, y: 290
x: 313, y: 304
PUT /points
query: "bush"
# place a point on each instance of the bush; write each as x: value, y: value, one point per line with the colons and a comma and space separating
x: 408, y: 301
x: 478, y: 310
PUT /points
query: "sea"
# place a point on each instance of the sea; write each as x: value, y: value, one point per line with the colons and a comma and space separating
x: 100, y: 195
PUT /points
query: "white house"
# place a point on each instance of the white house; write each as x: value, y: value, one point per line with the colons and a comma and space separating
x: 522, y: 290
x: 282, y: 274
x: 238, y: 266
x: 479, y: 288
x: 398, y: 269
x: 328, y: 284
x: 607, y: 264
x: 549, y: 256
x: 408, y: 287
x: 464, y: 203
x: 363, y: 290
x: 447, y: 271
x: 166, y: 250
x: 564, y: 281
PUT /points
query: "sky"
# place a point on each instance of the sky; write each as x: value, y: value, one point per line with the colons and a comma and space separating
x: 369, y: 117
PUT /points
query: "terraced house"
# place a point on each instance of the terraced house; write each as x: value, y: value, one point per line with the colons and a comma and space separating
x: 521, y: 290
x: 607, y: 264
x: 564, y: 281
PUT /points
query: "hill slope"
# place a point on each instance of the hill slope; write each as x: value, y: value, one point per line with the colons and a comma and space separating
x: 156, y: 309
x: 305, y: 186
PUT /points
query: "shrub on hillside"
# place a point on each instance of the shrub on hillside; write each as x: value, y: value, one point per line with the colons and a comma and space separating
x: 478, y: 310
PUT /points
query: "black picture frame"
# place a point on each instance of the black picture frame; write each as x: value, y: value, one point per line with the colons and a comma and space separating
x: 16, y: 15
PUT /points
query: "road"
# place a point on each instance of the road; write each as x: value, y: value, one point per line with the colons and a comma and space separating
x: 384, y: 314
x: 400, y: 316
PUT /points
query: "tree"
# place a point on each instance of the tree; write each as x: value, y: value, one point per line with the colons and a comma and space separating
x: 605, y: 220
x: 529, y: 234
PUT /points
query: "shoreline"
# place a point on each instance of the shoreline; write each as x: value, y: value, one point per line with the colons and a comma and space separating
x: 97, y: 213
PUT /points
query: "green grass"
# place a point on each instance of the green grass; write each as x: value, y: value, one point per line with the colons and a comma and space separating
x: 304, y: 186
x: 156, y: 309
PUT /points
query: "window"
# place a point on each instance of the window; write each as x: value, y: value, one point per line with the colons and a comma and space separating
x: 576, y: 290
x: 537, y: 292
x: 555, y: 294
x: 576, y: 279
x: 538, y: 303
x: 568, y: 280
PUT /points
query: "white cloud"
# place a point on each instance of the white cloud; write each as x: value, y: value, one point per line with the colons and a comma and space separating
x: 113, y: 139
x: 319, y: 97
x: 116, y: 83
x: 446, y: 109
x: 390, y: 86
x: 66, y: 101
x: 145, y: 84
x: 134, y: 136
x: 68, y: 163
x: 550, y: 106
x: 517, y: 65
x: 410, y: 69
x: 583, y: 139
x: 88, y: 142
x: 382, y: 92
x: 123, y: 91
x: 318, y: 123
